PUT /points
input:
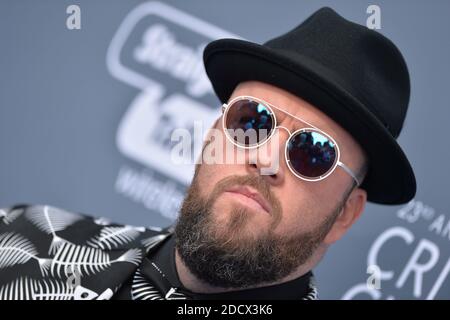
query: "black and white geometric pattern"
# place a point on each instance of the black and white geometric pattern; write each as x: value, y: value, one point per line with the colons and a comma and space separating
x: 47, y: 253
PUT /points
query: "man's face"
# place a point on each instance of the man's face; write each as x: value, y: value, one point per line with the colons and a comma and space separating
x: 227, y: 239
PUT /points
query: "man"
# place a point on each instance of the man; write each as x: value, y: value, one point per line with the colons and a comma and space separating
x: 331, y: 96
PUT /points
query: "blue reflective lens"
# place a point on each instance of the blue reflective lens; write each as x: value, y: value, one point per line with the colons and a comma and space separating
x: 246, y: 115
x: 311, y: 154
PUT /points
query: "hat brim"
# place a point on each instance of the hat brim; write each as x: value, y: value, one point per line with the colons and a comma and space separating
x: 390, y: 179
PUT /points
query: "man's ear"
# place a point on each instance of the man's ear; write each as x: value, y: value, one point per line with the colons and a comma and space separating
x: 209, y: 132
x: 351, y: 211
x: 216, y: 124
x: 209, y: 135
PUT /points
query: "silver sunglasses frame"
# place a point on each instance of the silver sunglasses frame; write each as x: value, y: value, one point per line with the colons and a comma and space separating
x: 337, y: 162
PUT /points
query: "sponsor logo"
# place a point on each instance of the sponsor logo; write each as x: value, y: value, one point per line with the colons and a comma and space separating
x: 158, y: 50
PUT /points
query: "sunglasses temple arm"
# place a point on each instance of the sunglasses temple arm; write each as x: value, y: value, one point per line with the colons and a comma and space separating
x: 349, y: 171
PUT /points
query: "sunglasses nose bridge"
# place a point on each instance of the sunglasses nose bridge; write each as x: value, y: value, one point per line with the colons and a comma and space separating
x: 287, y: 130
x: 289, y: 133
x: 280, y: 144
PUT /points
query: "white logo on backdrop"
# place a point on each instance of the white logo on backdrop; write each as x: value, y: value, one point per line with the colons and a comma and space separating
x: 427, y: 267
x: 144, y: 132
x: 167, y: 68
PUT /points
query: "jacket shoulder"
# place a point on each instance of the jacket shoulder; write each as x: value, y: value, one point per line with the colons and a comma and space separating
x: 42, y: 224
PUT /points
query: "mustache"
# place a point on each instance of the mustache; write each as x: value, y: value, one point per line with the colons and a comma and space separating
x: 255, y: 181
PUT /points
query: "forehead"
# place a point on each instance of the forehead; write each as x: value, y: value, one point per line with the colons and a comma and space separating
x: 298, y: 107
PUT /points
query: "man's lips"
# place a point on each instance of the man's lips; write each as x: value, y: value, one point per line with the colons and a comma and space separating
x: 252, y: 194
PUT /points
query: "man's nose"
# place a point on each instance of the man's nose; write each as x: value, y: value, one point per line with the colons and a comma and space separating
x: 267, y: 160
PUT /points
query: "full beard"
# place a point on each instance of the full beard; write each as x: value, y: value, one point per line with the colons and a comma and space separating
x: 224, y: 255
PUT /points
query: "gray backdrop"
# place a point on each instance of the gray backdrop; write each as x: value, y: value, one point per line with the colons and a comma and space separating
x: 79, y: 110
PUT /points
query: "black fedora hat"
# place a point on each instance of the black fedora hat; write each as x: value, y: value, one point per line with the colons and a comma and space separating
x: 355, y: 75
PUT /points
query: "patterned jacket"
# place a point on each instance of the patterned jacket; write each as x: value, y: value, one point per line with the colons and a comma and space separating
x: 47, y: 253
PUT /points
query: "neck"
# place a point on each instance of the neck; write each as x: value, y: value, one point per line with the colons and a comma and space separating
x: 194, y: 284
